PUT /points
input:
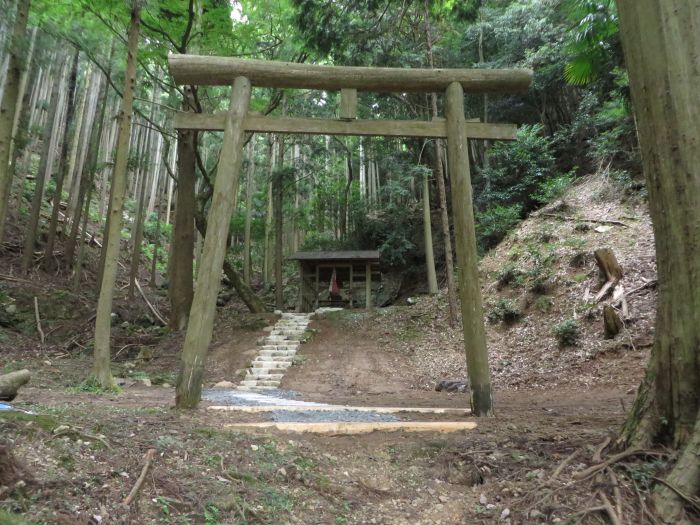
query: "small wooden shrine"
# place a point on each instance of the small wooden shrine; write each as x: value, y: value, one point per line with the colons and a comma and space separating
x: 336, y: 278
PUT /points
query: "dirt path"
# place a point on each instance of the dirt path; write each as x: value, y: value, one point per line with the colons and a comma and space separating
x: 206, y: 472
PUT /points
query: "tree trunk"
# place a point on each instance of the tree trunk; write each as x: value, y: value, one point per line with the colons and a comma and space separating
x: 8, y: 106
x: 249, y: 192
x: 428, y: 238
x: 78, y: 134
x: 137, y: 230
x: 660, y: 40
x: 45, y: 165
x: 442, y: 193
x: 103, y: 319
x: 156, y: 246
x: 88, y: 174
x: 252, y: 301
x: 180, y: 261
x: 267, y: 262
x: 277, y: 213
x: 199, y: 329
x: 49, y: 263
x: 21, y: 127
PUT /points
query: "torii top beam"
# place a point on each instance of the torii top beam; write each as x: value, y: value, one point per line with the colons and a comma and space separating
x: 221, y: 71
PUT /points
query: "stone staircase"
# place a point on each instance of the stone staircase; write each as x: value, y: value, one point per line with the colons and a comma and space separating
x: 276, y: 353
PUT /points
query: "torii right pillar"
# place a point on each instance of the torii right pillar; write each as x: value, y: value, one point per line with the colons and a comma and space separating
x: 467, y: 257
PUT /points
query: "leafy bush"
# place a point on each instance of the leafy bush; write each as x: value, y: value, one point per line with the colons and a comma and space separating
x: 567, y: 332
x: 553, y: 188
x: 508, y: 274
x: 493, y: 224
x: 504, y: 310
x: 516, y: 170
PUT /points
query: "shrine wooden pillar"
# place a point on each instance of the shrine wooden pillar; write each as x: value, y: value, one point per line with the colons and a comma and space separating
x: 467, y: 255
x: 201, y: 322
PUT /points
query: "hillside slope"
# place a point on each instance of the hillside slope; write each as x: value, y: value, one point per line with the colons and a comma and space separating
x: 538, y: 278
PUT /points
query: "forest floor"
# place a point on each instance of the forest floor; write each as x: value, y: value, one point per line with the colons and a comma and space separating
x: 81, y: 451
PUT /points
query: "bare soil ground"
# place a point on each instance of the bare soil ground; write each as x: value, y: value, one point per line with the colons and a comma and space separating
x: 77, y: 457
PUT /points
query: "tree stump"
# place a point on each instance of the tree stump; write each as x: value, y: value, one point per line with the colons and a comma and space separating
x: 611, y: 322
x: 607, y: 262
x: 10, y: 383
x: 610, y: 268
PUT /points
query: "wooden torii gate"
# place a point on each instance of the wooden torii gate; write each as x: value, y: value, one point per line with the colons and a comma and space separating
x: 242, y: 75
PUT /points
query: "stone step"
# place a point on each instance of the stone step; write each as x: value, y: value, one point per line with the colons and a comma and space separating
x: 264, y: 377
x: 286, y: 333
x: 273, y: 353
x: 280, y: 340
x: 270, y: 365
x: 279, y: 347
x: 279, y: 357
x: 262, y: 382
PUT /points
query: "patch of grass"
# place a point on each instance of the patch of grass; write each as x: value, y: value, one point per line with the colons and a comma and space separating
x: 579, y: 277
x: 164, y: 377
x: 298, y: 359
x: 567, y: 333
x: 138, y: 374
x: 544, y: 304
x: 92, y: 386
x: 308, y: 335
x: 407, y: 334
x: 43, y: 422
x: 211, y: 514
x: 504, y: 310
x: 13, y: 366
x: 8, y: 518
x: 509, y: 274
x: 574, y: 242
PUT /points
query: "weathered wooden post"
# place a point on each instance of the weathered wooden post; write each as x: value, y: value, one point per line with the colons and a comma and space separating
x: 467, y: 257
x: 201, y: 323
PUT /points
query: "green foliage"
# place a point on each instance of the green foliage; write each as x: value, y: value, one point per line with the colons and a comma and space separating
x: 494, y: 223
x: 504, y: 310
x: 92, y: 386
x: 509, y: 274
x: 593, y: 38
x: 553, y: 188
x: 567, y: 332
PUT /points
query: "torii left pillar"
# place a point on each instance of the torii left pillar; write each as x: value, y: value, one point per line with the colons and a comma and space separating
x: 201, y: 322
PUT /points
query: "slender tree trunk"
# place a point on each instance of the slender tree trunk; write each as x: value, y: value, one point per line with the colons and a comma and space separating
x: 277, y: 213
x: 661, y: 40
x: 103, y: 319
x: 180, y: 264
x: 156, y: 246
x: 22, y: 99
x: 87, y: 176
x: 137, y: 230
x: 77, y: 275
x: 49, y: 263
x: 8, y: 107
x: 21, y: 126
x: 249, y: 192
x: 87, y: 126
x: 45, y: 165
x: 267, y: 263
x: 77, y: 134
x: 440, y: 177
x: 428, y: 237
